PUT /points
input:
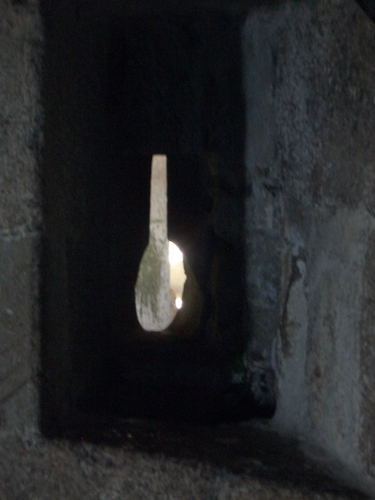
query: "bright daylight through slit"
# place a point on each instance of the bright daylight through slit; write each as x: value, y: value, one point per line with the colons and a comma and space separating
x: 161, y: 275
x: 177, y: 274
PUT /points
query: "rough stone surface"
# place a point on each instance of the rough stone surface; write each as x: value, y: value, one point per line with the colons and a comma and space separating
x: 20, y: 214
x: 310, y: 220
x: 20, y: 117
x: 309, y: 87
x: 33, y: 468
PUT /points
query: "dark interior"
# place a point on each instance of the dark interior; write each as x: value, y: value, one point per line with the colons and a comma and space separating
x: 118, y: 89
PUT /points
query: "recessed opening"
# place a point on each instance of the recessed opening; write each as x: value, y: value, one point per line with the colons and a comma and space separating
x: 117, y: 89
x: 161, y: 276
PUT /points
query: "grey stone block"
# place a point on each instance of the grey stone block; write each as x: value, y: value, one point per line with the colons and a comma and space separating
x: 19, y: 283
x: 20, y: 117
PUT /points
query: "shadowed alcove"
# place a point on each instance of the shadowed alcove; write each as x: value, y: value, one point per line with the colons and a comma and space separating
x: 118, y: 89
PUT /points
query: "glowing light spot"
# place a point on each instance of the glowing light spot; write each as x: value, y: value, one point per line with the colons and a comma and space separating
x: 175, y: 254
x: 177, y: 274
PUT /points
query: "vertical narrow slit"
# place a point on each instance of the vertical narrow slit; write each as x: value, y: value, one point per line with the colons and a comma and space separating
x: 161, y: 276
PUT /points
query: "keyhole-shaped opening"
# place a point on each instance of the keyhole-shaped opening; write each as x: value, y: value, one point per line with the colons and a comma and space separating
x: 161, y: 275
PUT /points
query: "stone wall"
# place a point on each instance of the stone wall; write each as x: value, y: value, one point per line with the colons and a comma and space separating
x: 310, y: 220
x: 308, y: 81
x: 21, y: 43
